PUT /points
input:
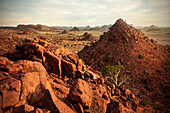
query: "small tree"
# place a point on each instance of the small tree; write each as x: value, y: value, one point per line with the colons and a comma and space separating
x: 116, y: 74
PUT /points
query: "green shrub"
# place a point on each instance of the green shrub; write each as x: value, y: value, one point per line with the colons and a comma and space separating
x: 115, y: 73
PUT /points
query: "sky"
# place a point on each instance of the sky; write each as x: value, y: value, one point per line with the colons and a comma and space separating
x: 84, y: 12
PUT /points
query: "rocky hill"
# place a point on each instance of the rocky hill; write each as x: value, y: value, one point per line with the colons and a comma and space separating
x: 41, y: 77
x: 146, y: 63
x: 75, y: 29
x: 89, y: 37
x: 38, y: 27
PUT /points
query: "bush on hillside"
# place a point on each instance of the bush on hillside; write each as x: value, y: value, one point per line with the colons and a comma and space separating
x: 115, y: 73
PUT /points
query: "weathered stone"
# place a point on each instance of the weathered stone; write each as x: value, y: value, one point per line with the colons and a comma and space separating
x: 61, y: 88
x: 13, y: 68
x: 10, y: 89
x: 68, y: 68
x: 31, y: 87
x: 54, y: 63
x: 98, y: 105
x: 93, y: 75
x: 54, y: 104
x: 4, y: 61
x: 81, y: 93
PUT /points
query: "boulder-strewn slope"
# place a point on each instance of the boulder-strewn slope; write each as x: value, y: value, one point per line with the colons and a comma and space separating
x: 146, y: 62
x: 43, y: 77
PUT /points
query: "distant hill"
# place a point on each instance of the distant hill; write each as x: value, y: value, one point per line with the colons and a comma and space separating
x: 75, y: 29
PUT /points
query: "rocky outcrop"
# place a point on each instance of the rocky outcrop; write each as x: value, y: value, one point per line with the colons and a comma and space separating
x: 25, y: 89
x: 56, y: 59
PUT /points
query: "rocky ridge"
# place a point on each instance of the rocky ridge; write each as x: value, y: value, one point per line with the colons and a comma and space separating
x: 43, y: 77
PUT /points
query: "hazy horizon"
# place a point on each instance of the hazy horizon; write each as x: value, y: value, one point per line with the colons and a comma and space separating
x: 84, y: 12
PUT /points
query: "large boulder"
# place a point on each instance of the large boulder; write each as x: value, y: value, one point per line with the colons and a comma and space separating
x: 10, y: 90
x: 54, y: 104
x: 81, y: 93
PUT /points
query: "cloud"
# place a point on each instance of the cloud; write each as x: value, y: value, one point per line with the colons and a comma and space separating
x: 84, y: 12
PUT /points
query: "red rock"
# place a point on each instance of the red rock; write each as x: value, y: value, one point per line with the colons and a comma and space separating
x: 23, y: 109
x: 10, y: 89
x: 57, y: 80
x: 98, y: 105
x: 127, y: 92
x: 4, y: 61
x: 56, y: 105
x: 92, y: 75
x: 81, y: 93
x: 54, y: 63
x: 13, y: 68
x: 43, y: 43
x: 135, y: 104
x: 61, y: 88
x: 80, y: 63
x: 68, y: 68
x: 29, y: 40
x: 117, y: 91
